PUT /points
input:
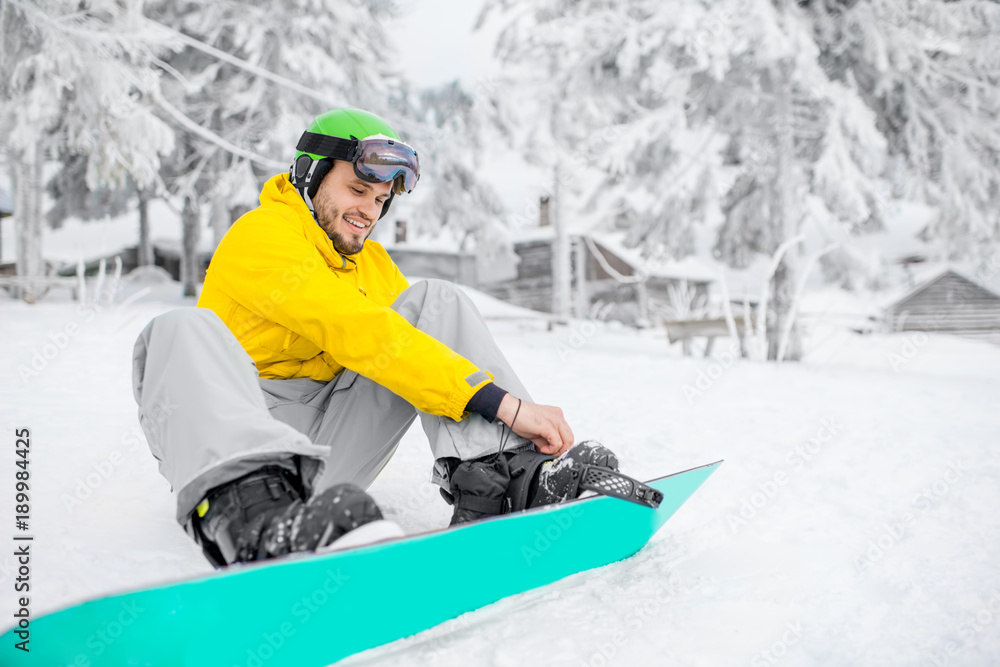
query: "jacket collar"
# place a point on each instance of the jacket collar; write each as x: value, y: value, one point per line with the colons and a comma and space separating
x: 279, y: 193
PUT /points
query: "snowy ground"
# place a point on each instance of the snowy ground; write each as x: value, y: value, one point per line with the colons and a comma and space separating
x: 855, y: 521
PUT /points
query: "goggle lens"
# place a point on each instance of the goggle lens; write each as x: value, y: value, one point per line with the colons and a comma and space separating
x: 382, y: 160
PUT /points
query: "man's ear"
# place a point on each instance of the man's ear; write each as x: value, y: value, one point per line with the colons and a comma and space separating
x: 322, y: 168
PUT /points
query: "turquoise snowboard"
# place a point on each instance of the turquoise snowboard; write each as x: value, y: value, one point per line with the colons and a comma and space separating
x: 312, y: 610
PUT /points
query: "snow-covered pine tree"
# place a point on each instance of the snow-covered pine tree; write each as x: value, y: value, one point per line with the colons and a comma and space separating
x: 674, y: 113
x: 72, y: 197
x: 929, y: 71
x: 74, y: 80
x: 604, y: 89
x: 771, y: 104
x: 449, y: 128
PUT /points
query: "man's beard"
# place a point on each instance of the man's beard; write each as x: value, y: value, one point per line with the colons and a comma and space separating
x: 328, y: 218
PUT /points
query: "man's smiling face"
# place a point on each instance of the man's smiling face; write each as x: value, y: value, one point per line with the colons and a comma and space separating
x: 348, y: 207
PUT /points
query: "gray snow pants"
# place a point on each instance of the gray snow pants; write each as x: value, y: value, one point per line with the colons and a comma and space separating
x: 210, y: 419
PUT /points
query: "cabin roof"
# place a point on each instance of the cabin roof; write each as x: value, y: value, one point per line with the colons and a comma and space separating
x: 690, y: 268
x: 927, y: 279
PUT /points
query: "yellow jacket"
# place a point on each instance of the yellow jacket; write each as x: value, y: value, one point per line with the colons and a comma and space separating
x: 301, y: 309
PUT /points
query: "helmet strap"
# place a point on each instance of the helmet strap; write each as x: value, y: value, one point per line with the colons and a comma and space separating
x: 323, y: 144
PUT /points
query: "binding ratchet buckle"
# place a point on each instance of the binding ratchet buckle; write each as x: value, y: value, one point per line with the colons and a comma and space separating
x: 611, y: 483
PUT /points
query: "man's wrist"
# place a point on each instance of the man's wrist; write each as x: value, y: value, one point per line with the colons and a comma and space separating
x: 507, y: 409
x: 487, y: 401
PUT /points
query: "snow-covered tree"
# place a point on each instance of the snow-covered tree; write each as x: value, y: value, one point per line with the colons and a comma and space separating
x: 74, y: 79
x: 449, y: 130
x: 759, y: 113
x: 929, y: 72
x: 640, y: 101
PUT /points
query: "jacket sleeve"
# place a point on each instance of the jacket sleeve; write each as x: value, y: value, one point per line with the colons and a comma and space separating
x: 283, y: 278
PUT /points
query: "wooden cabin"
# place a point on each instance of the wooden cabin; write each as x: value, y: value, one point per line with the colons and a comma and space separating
x: 456, y: 267
x: 532, y: 285
x: 947, y: 302
x: 605, y: 275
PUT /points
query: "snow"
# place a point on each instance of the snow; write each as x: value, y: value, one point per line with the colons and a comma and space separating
x: 853, y: 522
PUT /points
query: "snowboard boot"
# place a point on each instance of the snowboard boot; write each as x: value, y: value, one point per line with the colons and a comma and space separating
x: 521, y: 480
x: 312, y: 525
x: 264, y: 515
x: 478, y: 488
x: 538, y: 479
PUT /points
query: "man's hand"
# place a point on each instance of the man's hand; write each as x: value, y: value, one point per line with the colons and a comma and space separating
x: 544, y: 425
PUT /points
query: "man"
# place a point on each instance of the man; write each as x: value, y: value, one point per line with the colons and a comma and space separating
x: 276, y: 401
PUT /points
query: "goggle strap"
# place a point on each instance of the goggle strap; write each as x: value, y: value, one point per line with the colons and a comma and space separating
x: 327, y: 146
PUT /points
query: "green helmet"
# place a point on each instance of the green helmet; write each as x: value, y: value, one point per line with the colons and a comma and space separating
x: 348, y: 124
x: 359, y: 137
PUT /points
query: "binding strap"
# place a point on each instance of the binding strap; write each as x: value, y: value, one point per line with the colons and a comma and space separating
x: 467, y: 501
x: 611, y: 483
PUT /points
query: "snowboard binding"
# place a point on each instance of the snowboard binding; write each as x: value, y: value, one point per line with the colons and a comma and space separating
x: 537, y: 479
x: 511, y: 482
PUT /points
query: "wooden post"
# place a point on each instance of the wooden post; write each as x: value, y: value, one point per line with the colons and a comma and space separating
x: 190, y: 231
x: 28, y: 208
x: 783, y: 286
x: 145, y: 250
x: 642, y: 301
x: 81, y: 282
x: 581, y: 256
x: 544, y: 218
x: 99, y: 283
x: 560, y: 259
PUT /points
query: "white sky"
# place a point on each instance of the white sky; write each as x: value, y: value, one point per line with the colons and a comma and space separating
x: 436, y: 43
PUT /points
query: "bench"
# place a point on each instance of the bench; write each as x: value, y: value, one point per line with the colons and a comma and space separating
x: 685, y: 330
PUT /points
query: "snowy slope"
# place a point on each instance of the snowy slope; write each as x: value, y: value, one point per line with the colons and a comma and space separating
x: 853, y: 523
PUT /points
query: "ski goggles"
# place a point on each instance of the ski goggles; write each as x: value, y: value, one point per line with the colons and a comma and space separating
x: 376, y: 159
x: 379, y: 160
